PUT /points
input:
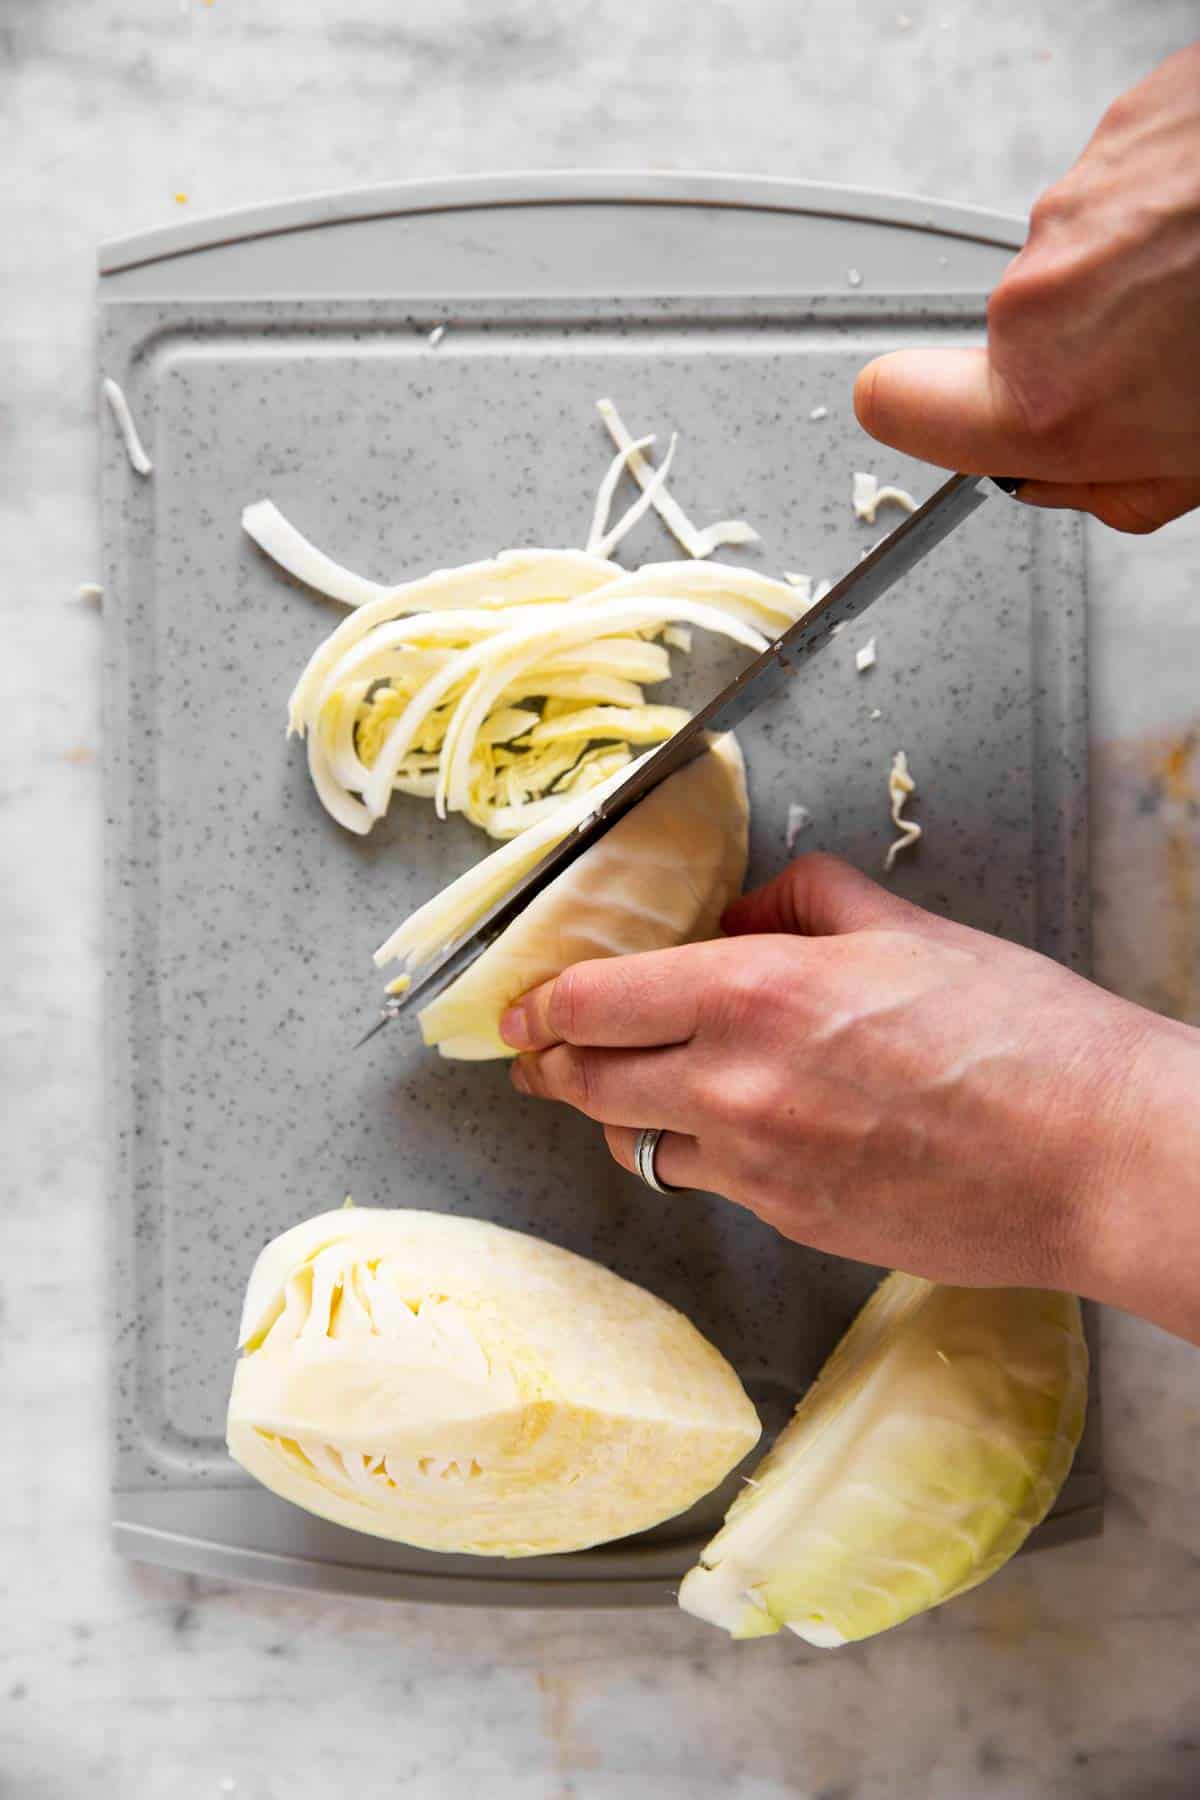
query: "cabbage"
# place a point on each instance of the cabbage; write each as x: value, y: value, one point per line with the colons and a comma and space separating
x: 662, y: 875
x: 697, y: 543
x: 455, y: 1385
x: 420, y: 682
x: 866, y: 496
x: 935, y: 1438
x: 900, y: 787
x: 602, y: 541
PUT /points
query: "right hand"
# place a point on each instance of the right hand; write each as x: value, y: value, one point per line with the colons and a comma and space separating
x: 1090, y: 382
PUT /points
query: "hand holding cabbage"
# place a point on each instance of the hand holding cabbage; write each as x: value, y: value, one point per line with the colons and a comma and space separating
x: 889, y: 1086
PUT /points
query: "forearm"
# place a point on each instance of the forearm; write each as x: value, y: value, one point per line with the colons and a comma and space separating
x: 1144, y: 1252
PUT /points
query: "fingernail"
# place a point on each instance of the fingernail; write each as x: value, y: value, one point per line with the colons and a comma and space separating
x: 514, y: 1028
x: 519, y: 1078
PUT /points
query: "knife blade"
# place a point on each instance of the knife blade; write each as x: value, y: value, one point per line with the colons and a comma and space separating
x: 761, y: 680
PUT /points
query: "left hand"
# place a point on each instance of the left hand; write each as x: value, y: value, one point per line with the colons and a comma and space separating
x: 882, y: 1084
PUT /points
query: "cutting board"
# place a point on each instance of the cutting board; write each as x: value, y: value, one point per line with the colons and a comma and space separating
x: 287, y: 354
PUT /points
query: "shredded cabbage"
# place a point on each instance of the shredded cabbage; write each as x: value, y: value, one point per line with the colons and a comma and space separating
x: 867, y: 496
x: 490, y: 689
x: 602, y: 542
x: 697, y: 543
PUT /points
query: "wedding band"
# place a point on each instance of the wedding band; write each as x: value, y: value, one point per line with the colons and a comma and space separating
x: 645, y: 1149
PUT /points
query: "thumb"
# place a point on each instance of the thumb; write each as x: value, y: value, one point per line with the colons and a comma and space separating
x: 948, y: 407
x: 821, y: 896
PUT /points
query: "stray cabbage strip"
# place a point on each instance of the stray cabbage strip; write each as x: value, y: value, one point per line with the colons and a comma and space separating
x: 698, y: 543
x: 900, y: 786
x: 605, y: 492
x: 867, y: 496
x: 649, y: 497
x: 292, y: 551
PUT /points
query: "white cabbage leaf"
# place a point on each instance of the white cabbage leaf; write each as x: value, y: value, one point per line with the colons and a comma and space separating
x: 459, y: 1386
x: 663, y: 875
x: 935, y: 1438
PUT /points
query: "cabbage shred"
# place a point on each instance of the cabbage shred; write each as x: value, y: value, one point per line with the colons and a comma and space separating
x: 506, y: 689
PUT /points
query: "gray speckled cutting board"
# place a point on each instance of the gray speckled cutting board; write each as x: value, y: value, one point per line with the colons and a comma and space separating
x: 265, y: 360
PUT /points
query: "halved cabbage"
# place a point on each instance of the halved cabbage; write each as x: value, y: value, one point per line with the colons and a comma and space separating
x: 662, y: 875
x: 459, y: 1386
x: 935, y: 1438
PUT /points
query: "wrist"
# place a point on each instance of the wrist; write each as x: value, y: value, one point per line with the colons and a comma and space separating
x: 1139, y: 1246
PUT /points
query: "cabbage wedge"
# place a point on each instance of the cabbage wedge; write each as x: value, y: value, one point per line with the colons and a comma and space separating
x: 661, y: 876
x: 935, y: 1438
x: 458, y: 1386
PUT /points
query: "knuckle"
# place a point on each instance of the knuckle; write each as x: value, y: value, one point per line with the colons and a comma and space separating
x: 1015, y: 312
x: 617, y: 1139
x: 746, y: 991
x: 737, y: 1099
x: 1007, y: 301
x: 1027, y: 289
x: 823, y: 866
x: 1052, y: 206
x: 577, y: 1086
x: 563, y: 1009
x: 1126, y: 111
x: 1130, y: 514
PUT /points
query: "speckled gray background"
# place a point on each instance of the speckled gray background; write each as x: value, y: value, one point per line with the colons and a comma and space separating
x: 253, y: 915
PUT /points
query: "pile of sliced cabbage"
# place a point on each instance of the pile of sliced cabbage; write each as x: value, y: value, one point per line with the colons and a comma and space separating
x: 503, y: 688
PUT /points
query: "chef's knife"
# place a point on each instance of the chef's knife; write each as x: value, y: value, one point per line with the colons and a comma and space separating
x: 879, y: 570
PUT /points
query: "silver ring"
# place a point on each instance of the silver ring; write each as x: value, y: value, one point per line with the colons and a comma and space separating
x: 645, y: 1148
